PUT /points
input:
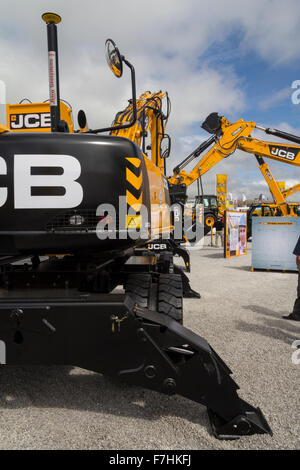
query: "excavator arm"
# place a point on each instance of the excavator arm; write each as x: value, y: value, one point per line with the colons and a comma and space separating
x: 150, y: 118
x: 273, y: 186
x: 226, y: 139
x: 280, y: 152
x: 292, y: 190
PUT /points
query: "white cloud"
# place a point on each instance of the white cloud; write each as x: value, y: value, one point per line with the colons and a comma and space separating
x: 276, y: 98
x: 165, y: 41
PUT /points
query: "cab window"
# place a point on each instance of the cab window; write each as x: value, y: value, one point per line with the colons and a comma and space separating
x: 297, y: 210
x: 257, y: 211
x: 213, y: 202
x: 267, y: 212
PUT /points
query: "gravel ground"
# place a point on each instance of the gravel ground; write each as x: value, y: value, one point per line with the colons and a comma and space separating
x: 240, y: 316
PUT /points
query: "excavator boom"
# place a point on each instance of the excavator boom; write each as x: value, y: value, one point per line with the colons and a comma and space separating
x: 227, y: 138
x: 223, y: 147
x: 280, y: 152
x: 150, y: 119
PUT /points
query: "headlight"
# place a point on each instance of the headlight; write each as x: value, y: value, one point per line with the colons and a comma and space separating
x: 76, y: 220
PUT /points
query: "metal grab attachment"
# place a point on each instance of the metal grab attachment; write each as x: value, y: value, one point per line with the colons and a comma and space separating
x: 181, y: 362
x: 251, y: 421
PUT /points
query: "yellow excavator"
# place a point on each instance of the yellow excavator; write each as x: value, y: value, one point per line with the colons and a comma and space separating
x: 153, y: 110
x: 226, y: 139
x: 58, y: 302
x: 280, y: 206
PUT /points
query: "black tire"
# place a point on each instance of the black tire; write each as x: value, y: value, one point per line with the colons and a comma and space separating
x: 170, y: 294
x: 138, y: 287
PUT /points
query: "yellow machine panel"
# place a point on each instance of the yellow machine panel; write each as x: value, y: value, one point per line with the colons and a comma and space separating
x: 160, y: 214
x: 35, y: 117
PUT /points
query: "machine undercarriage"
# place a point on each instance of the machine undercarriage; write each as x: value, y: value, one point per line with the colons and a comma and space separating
x: 59, y: 311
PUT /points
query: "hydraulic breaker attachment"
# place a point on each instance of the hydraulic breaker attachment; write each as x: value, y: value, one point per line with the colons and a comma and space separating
x: 109, y: 333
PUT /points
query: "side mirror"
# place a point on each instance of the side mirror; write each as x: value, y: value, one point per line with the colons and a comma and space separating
x: 166, y: 107
x: 115, y: 61
x: 82, y: 121
x: 113, y: 58
x: 165, y: 146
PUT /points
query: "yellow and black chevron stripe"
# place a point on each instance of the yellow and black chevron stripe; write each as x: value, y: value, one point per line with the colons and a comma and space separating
x: 134, y: 191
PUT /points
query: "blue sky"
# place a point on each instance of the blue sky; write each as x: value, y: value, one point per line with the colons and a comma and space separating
x: 235, y: 57
x: 268, y: 101
x: 260, y: 79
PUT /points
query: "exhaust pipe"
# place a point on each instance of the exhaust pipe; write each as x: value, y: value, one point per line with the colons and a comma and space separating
x: 52, y: 19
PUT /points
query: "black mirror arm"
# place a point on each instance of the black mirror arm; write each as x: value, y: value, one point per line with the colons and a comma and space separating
x: 133, y: 87
x: 134, y: 112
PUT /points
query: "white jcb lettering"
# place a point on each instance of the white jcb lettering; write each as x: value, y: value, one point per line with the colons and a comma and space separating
x: 45, y: 120
x: 157, y: 246
x: 31, y: 120
x: 18, y: 124
x: 25, y: 181
x: 290, y: 156
x: 3, y: 191
x: 283, y: 153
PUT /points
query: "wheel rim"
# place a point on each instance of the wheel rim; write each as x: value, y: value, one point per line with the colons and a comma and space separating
x: 210, y: 221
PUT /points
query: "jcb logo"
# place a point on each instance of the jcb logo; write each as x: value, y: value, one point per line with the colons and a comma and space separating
x: 43, y: 191
x: 30, y: 121
x: 287, y: 153
x: 157, y: 246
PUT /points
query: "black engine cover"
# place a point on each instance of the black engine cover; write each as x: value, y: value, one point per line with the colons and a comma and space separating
x: 45, y: 179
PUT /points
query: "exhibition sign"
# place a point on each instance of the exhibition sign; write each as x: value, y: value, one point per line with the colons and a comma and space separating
x: 235, y: 231
x: 221, y: 187
x: 273, y: 242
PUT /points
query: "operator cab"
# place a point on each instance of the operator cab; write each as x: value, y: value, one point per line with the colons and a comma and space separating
x: 258, y: 210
